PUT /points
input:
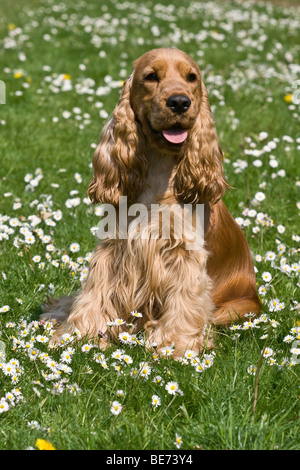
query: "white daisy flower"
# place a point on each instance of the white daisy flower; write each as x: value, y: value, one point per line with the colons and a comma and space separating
x: 116, y: 408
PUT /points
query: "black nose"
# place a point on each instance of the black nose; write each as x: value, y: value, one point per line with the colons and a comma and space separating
x: 179, y: 103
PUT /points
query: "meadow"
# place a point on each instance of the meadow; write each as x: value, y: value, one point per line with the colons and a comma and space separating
x: 63, y: 64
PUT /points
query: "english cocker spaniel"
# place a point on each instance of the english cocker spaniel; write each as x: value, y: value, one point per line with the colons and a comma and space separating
x: 160, y: 147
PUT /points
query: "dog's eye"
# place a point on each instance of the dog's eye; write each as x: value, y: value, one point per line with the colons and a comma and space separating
x: 192, y: 77
x: 152, y: 77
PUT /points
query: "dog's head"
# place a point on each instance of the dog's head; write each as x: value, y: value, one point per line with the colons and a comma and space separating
x: 165, y: 96
x: 164, y: 107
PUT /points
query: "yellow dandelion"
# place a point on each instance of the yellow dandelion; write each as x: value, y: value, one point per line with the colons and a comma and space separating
x: 288, y: 98
x: 18, y: 74
x: 42, y: 444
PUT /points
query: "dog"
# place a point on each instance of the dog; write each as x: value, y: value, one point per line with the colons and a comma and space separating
x: 160, y: 146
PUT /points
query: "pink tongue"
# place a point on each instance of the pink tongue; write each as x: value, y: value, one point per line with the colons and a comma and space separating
x: 175, y: 136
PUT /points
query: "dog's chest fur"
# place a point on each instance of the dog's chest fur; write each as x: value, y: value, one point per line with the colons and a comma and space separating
x: 159, y: 178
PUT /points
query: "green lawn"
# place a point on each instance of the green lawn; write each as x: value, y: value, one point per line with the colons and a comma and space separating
x: 63, y: 64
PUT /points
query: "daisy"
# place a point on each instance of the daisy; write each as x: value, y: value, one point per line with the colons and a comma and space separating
x: 262, y: 290
x: 52, y: 364
x: 167, y: 350
x: 288, y: 339
x: 74, y: 247
x: 263, y: 337
x: 125, y: 337
x: 118, y: 354
x: 50, y: 247
x: 263, y: 318
x: 4, y: 309
x: 65, y: 338
x: 199, y: 367
x: 270, y: 256
x: 251, y: 370
x: 136, y: 314
x: 172, y: 387
x: 178, y: 441
x: 145, y: 370
x: 155, y: 401
x: 158, y: 379
x: 134, y: 372
x: 259, y: 197
x: 281, y: 248
x: 295, y: 330
x: 66, y: 114
x: 273, y: 305
x: 116, y: 408
x: 117, y: 368
x: 155, y: 356
x: 74, y: 389
x: 208, y: 360
x: 42, y: 339
x: 73, y: 202
x: 33, y: 354
x: 86, y: 347
x: 65, y: 368
x: 235, y: 327
x: 33, y: 425
x: 119, y: 321
x: 8, y: 369
x: 10, y: 397
x: 274, y: 323
x: 127, y: 359
x: 3, y: 405
x: 99, y: 358
x: 17, y: 393
x: 29, y: 239
x: 24, y: 333
x: 268, y: 352
x: 281, y: 228
x: 267, y: 277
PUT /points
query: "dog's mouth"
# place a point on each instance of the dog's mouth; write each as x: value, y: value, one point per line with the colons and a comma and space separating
x: 175, y: 135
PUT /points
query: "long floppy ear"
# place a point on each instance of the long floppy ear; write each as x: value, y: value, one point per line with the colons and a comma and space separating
x: 199, y: 177
x: 119, y: 162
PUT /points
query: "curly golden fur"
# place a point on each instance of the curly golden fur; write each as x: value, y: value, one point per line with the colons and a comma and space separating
x: 161, y: 146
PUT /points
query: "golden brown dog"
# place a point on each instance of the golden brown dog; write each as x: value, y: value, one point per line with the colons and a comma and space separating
x: 161, y: 147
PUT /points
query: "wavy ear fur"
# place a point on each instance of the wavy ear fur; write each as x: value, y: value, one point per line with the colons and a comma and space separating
x: 199, y: 177
x: 119, y: 161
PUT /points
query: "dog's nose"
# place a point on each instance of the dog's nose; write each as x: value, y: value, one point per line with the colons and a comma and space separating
x: 179, y: 103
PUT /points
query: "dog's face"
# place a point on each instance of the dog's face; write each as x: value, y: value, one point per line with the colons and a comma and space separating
x: 165, y: 97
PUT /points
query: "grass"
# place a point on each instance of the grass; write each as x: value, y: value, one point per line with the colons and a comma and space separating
x: 248, y: 54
